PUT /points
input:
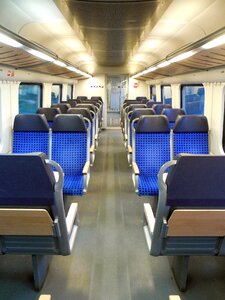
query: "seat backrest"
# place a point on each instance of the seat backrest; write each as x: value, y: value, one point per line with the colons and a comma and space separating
x: 197, y: 181
x: 159, y: 107
x: 190, y: 135
x: 70, y: 143
x: 82, y: 98
x: 172, y: 114
x: 49, y: 112
x: 26, y: 180
x: 30, y: 134
x: 151, y: 144
x: 141, y: 98
x: 96, y: 98
x: 134, y: 106
x: 136, y: 114
x: 88, y: 105
x: 150, y: 103
x: 62, y: 107
x: 72, y: 103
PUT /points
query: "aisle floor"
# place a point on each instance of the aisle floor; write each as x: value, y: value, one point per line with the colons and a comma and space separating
x: 110, y: 260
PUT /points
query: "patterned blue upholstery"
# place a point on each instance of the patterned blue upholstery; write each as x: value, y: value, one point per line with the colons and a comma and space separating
x: 152, y: 150
x: 25, y: 142
x: 190, y: 142
x: 69, y: 149
x: 171, y: 124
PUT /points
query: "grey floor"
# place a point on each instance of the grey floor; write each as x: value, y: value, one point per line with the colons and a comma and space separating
x: 110, y: 260
x: 113, y: 118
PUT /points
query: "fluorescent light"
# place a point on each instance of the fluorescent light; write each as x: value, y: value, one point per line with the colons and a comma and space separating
x: 59, y: 63
x: 40, y: 55
x: 214, y: 43
x: 71, y: 68
x: 182, y: 56
x: 164, y: 64
x: 8, y: 41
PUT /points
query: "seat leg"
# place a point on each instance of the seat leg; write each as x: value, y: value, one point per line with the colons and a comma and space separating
x: 40, y: 268
x: 180, y: 271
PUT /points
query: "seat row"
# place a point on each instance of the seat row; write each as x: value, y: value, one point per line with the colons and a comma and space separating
x: 67, y: 143
x: 153, y: 144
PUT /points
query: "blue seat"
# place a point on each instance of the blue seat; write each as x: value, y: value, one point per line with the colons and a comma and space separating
x: 140, y: 98
x: 89, y: 118
x: 151, y: 103
x: 32, y: 216
x: 158, y: 108
x: 190, y: 135
x: 70, y: 148
x: 49, y: 112
x: 172, y: 114
x: 192, y: 197
x: 30, y: 134
x: 151, y: 149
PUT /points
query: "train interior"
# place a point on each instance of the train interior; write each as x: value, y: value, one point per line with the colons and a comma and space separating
x: 112, y: 146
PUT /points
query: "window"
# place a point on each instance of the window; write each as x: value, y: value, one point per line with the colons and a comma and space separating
x: 30, y: 98
x: 193, y: 97
x: 152, y: 92
x: 69, y: 92
x: 56, y: 95
x: 166, y: 93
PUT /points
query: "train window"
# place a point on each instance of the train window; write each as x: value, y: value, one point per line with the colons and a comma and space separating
x: 166, y: 94
x: 30, y: 97
x: 193, y: 97
x: 69, y: 92
x: 56, y: 94
x: 153, y: 92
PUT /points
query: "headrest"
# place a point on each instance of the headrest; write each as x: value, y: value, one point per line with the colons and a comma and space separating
x: 153, y: 124
x: 49, y: 112
x: 33, y: 122
x: 150, y: 104
x: 133, y: 106
x: 172, y: 113
x: 89, y: 106
x: 69, y: 123
x: 26, y: 180
x: 159, y: 107
x: 95, y: 103
x: 96, y: 98
x: 72, y: 103
x: 141, y: 98
x: 85, y: 112
x: 191, y: 123
x: 82, y: 98
x: 63, y: 107
x: 141, y: 112
x: 144, y: 101
x: 128, y: 102
x: 197, y: 180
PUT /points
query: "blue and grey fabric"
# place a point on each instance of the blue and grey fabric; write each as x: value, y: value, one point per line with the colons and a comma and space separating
x: 30, y: 134
x: 172, y: 114
x: 140, y: 98
x: 70, y: 148
x: 190, y: 135
x: 158, y: 108
x: 32, y: 215
x: 192, y: 196
x: 151, y: 149
x: 63, y: 107
x: 150, y: 103
x: 49, y: 112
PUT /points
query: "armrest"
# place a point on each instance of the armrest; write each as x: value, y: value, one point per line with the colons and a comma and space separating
x: 86, y: 167
x: 125, y: 136
x: 135, y: 168
x: 92, y: 149
x: 129, y: 148
x: 71, y: 215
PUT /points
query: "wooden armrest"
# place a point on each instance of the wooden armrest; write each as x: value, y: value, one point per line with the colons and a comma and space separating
x: 125, y: 136
x: 174, y: 297
x: 129, y: 148
x: 135, y: 168
x: 71, y: 216
x: 92, y: 149
x: 96, y: 136
x: 45, y: 297
x: 86, y: 167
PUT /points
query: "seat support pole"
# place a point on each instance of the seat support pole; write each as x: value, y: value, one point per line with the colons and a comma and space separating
x: 180, y: 271
x: 40, y: 268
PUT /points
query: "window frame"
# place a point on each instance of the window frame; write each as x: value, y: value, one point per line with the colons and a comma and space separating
x: 181, y: 96
x: 40, y: 104
x: 151, y: 87
x: 60, y: 93
x: 71, y: 95
x: 162, y: 94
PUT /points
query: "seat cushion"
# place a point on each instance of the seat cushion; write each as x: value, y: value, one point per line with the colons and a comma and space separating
x: 148, y: 186
x: 73, y: 185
